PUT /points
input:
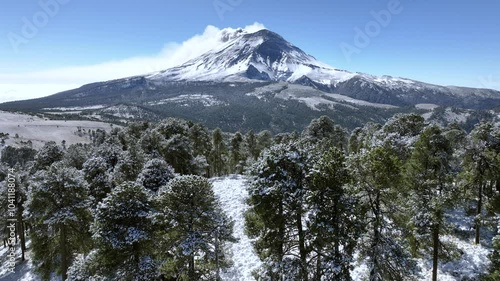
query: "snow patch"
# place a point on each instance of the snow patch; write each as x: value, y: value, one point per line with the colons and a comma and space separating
x: 232, y: 192
x: 187, y: 100
x: 75, y: 108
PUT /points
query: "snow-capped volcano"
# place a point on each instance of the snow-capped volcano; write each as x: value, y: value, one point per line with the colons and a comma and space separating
x: 253, y: 78
x: 261, y: 55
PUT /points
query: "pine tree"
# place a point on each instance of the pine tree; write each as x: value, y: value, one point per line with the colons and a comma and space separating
x: 362, y: 138
x: 57, y: 206
x: 480, y: 168
x: 264, y: 140
x: 323, y: 130
x: 400, y: 134
x: 47, y: 155
x: 97, y: 174
x: 237, y: 157
x: 378, y: 180
x: 129, y: 165
x: 251, y: 145
x: 76, y: 155
x: 178, y: 152
x: 155, y: 174
x: 217, y: 155
x: 122, y: 230
x: 428, y: 175
x: 193, y: 230
x: 200, y: 138
x: 334, y: 218
x: 275, y: 218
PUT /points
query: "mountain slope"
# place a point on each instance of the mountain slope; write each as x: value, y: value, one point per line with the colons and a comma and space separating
x: 243, y: 62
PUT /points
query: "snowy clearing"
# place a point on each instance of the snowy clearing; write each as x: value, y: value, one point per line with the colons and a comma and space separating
x: 232, y: 192
x: 39, y: 131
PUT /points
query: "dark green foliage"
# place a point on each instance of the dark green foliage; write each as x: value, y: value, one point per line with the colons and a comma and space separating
x: 49, y: 154
x: 428, y: 175
x: 76, y: 155
x: 323, y: 130
x: 193, y: 230
x: 96, y: 173
x: 218, y: 157
x: 277, y: 198
x: 58, y: 210
x: 334, y: 222
x: 378, y: 184
x: 122, y: 230
x: 12, y: 155
x: 237, y: 158
x: 251, y: 145
x: 155, y: 174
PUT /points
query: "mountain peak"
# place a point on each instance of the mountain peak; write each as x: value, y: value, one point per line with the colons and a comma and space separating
x: 266, y: 34
x: 257, y: 55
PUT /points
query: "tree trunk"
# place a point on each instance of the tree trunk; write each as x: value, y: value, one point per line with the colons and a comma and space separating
x: 318, y: 267
x: 478, y: 214
x: 217, y: 254
x: 192, y: 275
x: 281, y: 246
x: 22, y: 238
x: 302, y: 246
x: 64, y: 254
x: 21, y: 228
x: 435, y: 252
x: 374, y: 272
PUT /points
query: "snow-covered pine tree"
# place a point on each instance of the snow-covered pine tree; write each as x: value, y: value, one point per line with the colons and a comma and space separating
x: 201, y: 140
x: 378, y: 184
x: 129, y: 165
x: 481, y: 168
x: 251, y: 145
x: 48, y: 154
x: 76, y: 155
x: 218, y: 154
x: 155, y: 174
x: 429, y: 176
x: 334, y: 219
x: 57, y: 208
x: 264, y: 140
x: 400, y: 134
x: 178, y: 152
x: 122, y: 231
x: 152, y: 141
x: 324, y: 131
x: 98, y: 177
x: 362, y: 138
x: 193, y: 230
x: 237, y: 158
x: 277, y: 210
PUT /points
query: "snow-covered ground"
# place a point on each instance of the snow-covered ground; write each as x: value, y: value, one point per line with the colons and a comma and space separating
x: 40, y: 131
x: 187, y: 100
x: 232, y: 192
x: 23, y: 270
x: 314, y: 99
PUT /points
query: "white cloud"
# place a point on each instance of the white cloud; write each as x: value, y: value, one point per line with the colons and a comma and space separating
x: 18, y: 86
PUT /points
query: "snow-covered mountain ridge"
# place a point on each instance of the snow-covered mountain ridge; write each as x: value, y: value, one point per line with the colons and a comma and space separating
x: 265, y: 55
x: 262, y: 55
x: 221, y: 88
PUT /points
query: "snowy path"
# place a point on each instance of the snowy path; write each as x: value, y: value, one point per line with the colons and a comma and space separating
x: 23, y: 271
x: 232, y: 193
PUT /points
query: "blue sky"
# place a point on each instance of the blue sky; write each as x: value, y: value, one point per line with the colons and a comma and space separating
x: 78, y: 41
